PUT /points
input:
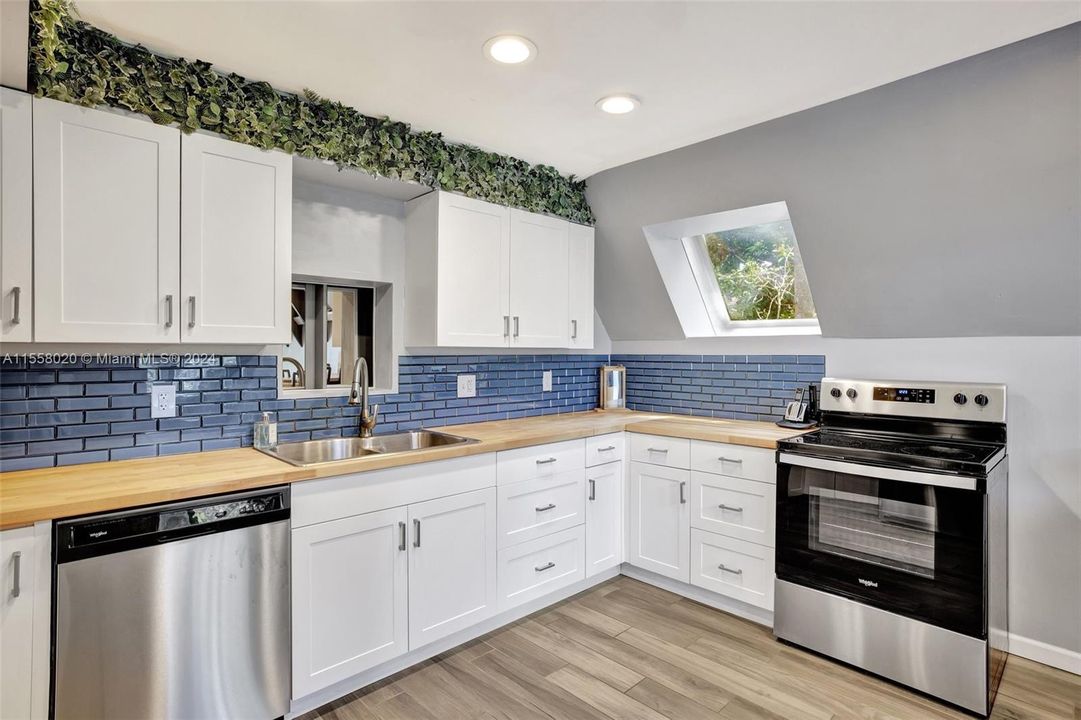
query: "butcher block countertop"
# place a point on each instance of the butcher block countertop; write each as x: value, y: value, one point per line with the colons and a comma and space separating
x: 47, y: 494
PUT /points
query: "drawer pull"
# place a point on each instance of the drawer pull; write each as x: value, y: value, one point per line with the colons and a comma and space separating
x: 401, y: 536
x: 662, y: 451
x: 682, y: 493
x: 546, y: 566
x: 722, y: 458
x: 546, y: 462
x: 16, y: 585
x: 722, y: 506
x: 592, y: 489
x: 610, y: 448
x: 724, y: 567
x: 542, y: 508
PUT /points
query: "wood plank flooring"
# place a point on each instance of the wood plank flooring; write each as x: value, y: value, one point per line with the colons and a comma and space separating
x: 625, y: 650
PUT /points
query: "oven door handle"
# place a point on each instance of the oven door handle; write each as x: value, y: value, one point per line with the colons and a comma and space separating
x: 881, y: 473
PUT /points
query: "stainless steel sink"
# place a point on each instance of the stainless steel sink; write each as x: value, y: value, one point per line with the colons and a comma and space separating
x: 330, y: 450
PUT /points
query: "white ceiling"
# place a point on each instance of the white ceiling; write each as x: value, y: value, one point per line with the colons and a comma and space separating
x: 700, y: 68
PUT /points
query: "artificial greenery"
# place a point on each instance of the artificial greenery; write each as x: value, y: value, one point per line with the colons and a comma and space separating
x: 72, y: 61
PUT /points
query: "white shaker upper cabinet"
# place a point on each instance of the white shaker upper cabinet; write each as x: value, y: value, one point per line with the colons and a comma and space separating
x: 457, y: 257
x: 236, y: 234
x: 539, y: 280
x: 16, y: 216
x: 106, y: 226
x: 581, y: 286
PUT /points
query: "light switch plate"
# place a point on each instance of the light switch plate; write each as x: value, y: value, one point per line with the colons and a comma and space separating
x: 546, y: 381
x: 163, y: 400
x: 467, y: 386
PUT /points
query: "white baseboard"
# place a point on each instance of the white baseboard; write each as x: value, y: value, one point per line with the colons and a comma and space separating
x: 302, y: 705
x: 1046, y: 653
x: 693, y: 592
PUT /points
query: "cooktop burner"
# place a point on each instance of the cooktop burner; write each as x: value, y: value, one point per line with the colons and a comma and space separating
x: 904, y: 451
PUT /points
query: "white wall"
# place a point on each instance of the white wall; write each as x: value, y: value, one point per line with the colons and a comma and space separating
x: 1043, y: 375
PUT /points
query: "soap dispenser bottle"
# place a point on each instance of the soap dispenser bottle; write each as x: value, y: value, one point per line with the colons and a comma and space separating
x: 266, y: 432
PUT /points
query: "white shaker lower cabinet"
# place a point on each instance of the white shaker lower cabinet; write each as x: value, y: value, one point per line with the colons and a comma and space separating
x: 235, y: 241
x: 452, y: 564
x: 604, y: 517
x: 537, y: 567
x: 658, y: 526
x: 106, y: 226
x: 25, y: 594
x: 350, y: 597
x: 16, y: 216
x: 742, y: 509
x: 736, y: 568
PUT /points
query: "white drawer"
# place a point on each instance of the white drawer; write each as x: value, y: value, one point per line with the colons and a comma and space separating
x: 540, y: 461
x: 540, y: 566
x: 537, y: 507
x: 747, y: 572
x: 660, y: 450
x: 734, y: 460
x: 738, y: 508
x: 602, y: 449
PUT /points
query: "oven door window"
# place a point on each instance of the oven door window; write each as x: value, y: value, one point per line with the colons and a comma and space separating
x: 908, y: 548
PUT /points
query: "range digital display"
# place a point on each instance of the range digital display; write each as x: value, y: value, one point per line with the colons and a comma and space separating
x: 912, y: 395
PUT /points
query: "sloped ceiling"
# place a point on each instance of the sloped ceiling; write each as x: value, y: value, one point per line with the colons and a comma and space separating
x: 701, y: 68
x: 945, y: 204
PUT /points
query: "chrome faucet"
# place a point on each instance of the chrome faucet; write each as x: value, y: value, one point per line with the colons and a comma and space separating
x: 358, y: 395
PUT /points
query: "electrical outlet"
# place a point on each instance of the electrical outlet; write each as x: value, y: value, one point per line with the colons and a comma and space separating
x: 163, y: 400
x: 467, y: 386
x: 546, y: 381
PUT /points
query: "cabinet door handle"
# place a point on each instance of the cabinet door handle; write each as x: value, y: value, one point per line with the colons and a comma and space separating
x: 734, y: 571
x: 592, y: 489
x: 543, y: 508
x: 401, y: 536
x: 574, y: 329
x: 515, y: 326
x: 191, y: 311
x: 545, y: 566
x: 722, y: 458
x: 682, y: 493
x: 662, y: 451
x: 16, y: 561
x: 722, y: 506
x: 506, y: 326
x: 416, y: 533
x: 168, y: 311
x: 17, y: 293
x: 546, y: 461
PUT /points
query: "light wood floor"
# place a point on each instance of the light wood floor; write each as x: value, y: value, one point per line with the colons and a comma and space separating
x: 629, y: 651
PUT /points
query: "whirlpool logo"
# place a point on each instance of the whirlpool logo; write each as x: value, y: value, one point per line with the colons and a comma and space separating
x: 868, y: 583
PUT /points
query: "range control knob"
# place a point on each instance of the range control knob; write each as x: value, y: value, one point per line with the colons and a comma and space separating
x: 836, y: 392
x: 981, y: 399
x: 960, y: 398
x: 851, y: 393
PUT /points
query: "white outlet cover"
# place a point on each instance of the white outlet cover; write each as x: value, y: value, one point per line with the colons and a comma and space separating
x: 546, y: 381
x: 163, y: 400
x: 467, y: 386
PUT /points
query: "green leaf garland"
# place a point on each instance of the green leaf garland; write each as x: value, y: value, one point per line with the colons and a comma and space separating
x: 72, y: 61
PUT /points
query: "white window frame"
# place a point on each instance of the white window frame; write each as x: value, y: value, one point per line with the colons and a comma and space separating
x: 687, y: 273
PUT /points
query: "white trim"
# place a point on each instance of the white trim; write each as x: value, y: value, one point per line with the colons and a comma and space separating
x: 693, y: 592
x: 1046, y: 654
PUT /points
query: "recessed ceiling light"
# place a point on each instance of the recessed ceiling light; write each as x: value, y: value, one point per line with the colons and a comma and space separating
x: 618, y: 104
x: 510, y: 49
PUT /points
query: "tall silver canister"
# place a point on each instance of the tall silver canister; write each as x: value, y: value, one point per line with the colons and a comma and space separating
x: 613, y: 387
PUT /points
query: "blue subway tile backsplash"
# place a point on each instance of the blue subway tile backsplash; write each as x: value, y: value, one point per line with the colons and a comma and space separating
x: 90, y: 412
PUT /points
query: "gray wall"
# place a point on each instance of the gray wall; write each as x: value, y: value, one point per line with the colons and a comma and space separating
x: 945, y: 204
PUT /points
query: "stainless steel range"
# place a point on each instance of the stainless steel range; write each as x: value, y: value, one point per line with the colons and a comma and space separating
x: 892, y: 535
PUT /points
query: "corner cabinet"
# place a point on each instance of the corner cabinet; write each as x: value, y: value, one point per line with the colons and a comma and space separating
x: 16, y: 216
x: 142, y: 236
x: 483, y: 275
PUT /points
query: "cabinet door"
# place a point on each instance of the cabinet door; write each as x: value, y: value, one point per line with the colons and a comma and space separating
x: 473, y: 280
x: 539, y: 281
x: 581, y: 286
x: 349, y: 597
x: 235, y: 231
x: 16, y: 216
x: 17, y: 566
x: 658, y: 536
x: 106, y: 226
x: 452, y: 564
x: 604, y: 517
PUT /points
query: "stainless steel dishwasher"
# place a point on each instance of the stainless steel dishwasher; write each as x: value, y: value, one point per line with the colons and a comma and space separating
x: 174, y: 611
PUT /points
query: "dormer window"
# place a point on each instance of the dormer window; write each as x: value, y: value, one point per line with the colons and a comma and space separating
x: 737, y: 272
